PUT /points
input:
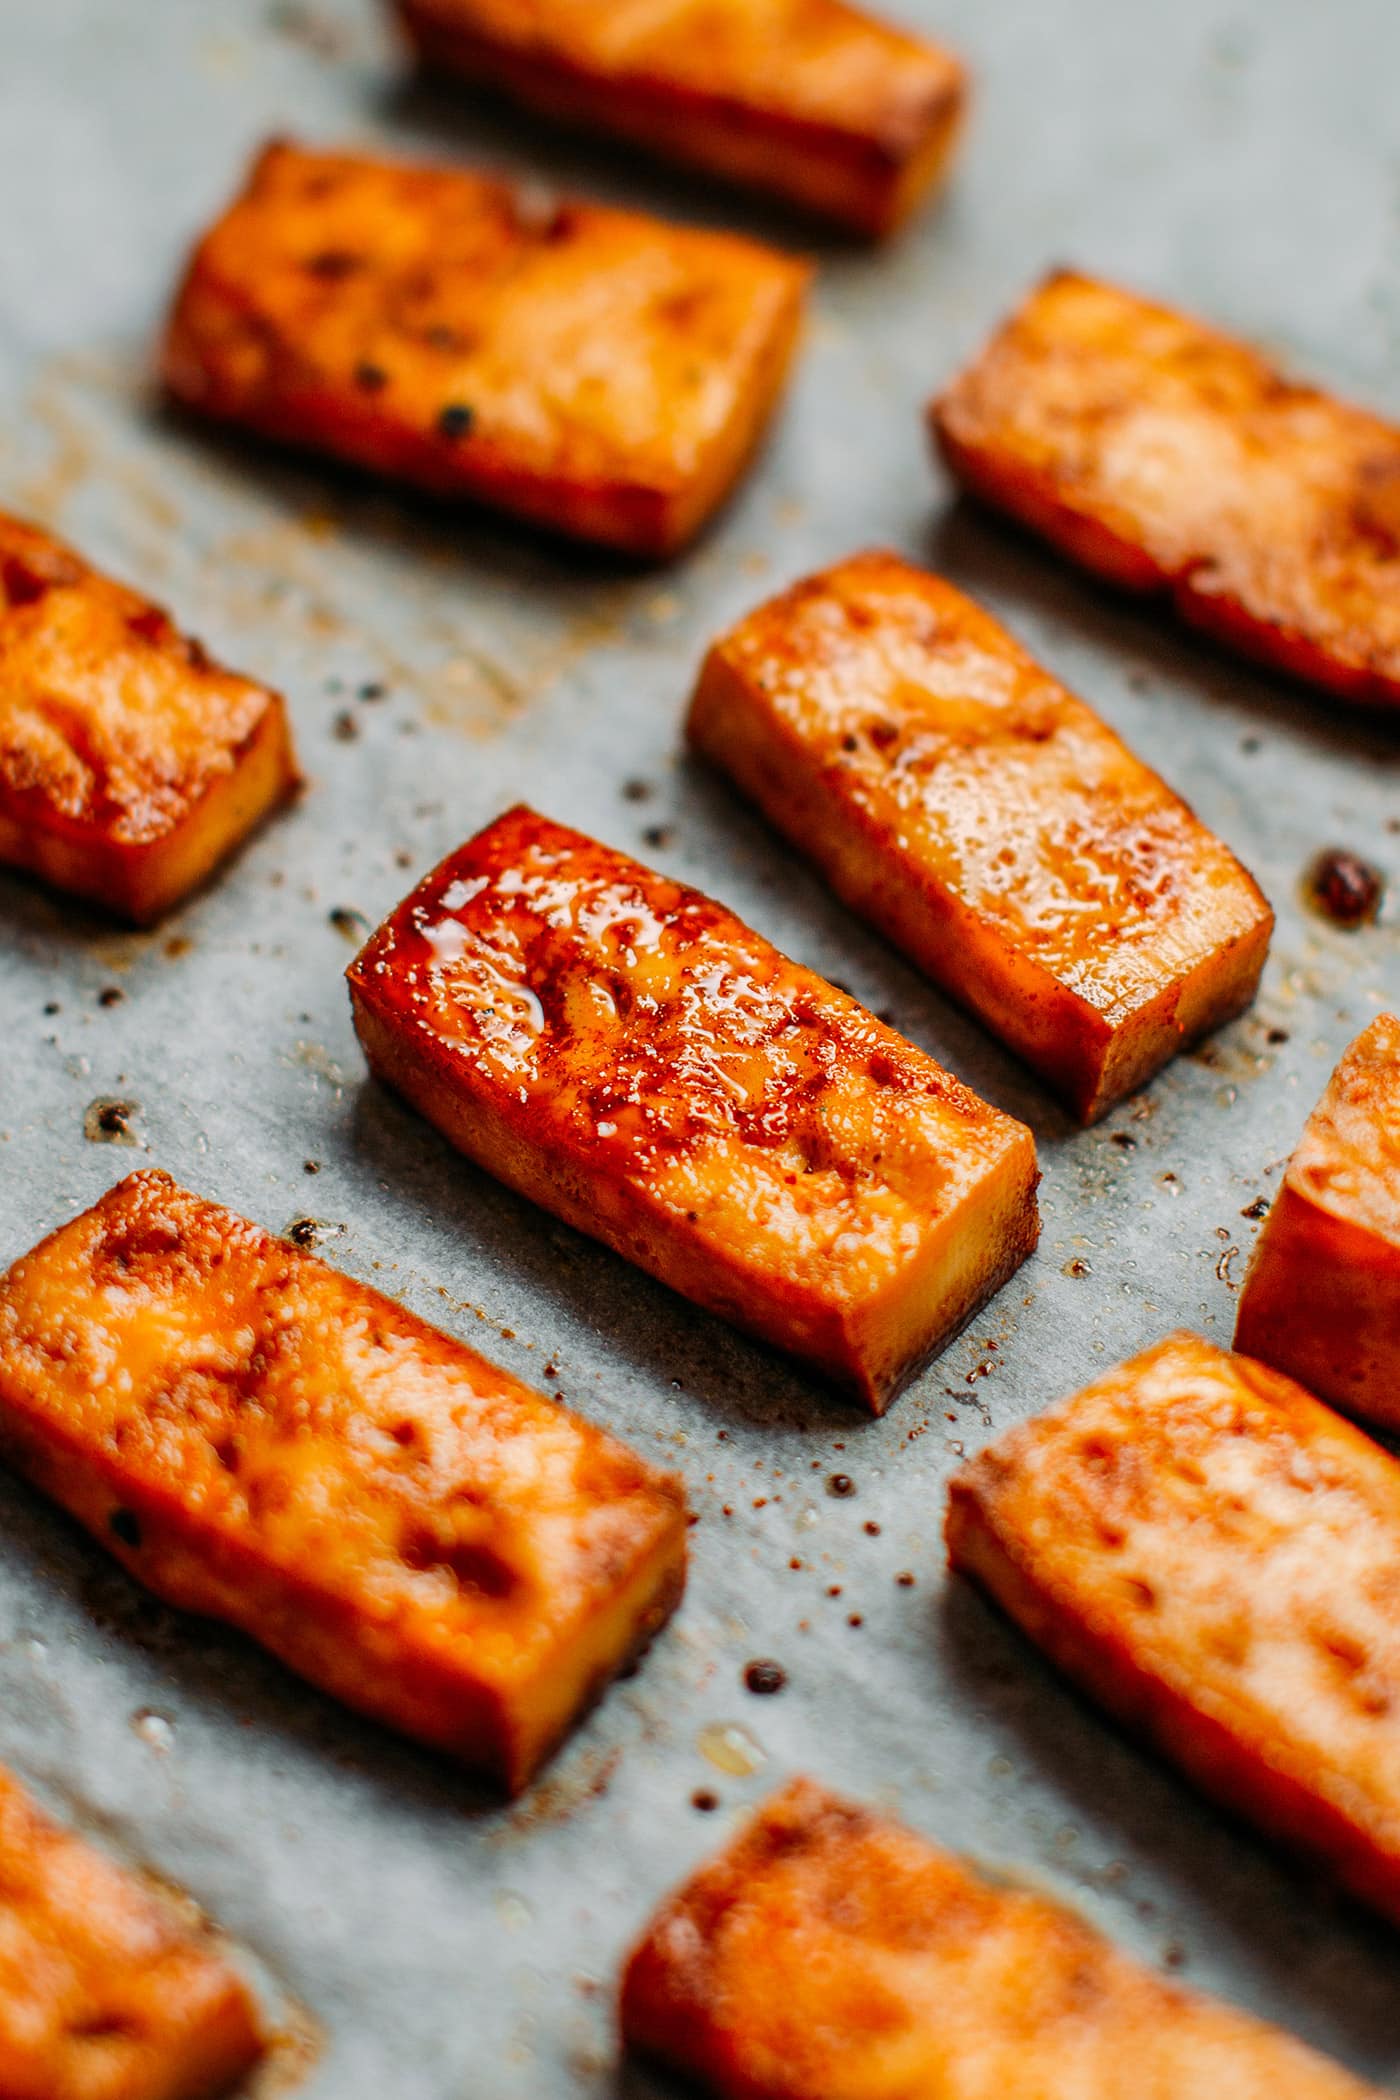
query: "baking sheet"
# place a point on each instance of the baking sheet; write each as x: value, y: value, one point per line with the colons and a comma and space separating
x: 1240, y: 156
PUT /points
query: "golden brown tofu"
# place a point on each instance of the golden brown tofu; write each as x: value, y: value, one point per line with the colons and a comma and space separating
x: 593, y: 370
x: 262, y: 1439
x: 1321, y: 1300
x: 130, y: 763
x: 827, y: 1954
x: 630, y: 1055
x: 812, y: 100
x: 1215, y: 1556
x: 1169, y: 458
x: 106, y: 1992
x: 986, y: 821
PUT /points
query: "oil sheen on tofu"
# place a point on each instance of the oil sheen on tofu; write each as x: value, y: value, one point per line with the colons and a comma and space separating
x: 106, y: 1991
x: 130, y: 762
x: 1321, y: 1300
x: 986, y: 820
x: 261, y: 1439
x: 595, y: 371
x: 828, y: 1954
x: 816, y: 101
x: 1169, y: 458
x: 630, y: 1055
x: 1215, y: 1555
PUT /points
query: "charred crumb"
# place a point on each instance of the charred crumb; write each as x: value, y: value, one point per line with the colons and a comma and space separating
x: 111, y: 995
x: 905, y: 1579
x: 345, y: 728
x: 705, y: 1799
x: 872, y: 1529
x: 52, y: 1007
x: 636, y: 790
x: 1124, y: 1139
x: 455, y: 420
x: 1076, y: 1267
x: 352, y: 924
x: 659, y: 835
x: 1259, y: 1208
x: 311, y: 1166
x: 1342, y: 887
x: 854, y: 1619
x: 373, y: 689
x: 108, y: 1121
x: 1276, y: 1036
x: 764, y: 1677
x: 370, y: 378
x: 840, y: 1485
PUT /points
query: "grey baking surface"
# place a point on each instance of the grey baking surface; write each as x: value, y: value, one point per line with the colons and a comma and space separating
x: 1239, y: 155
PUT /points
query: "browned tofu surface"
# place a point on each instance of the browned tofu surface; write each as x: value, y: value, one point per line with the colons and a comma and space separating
x: 813, y: 100
x: 986, y: 820
x: 130, y: 763
x: 634, y: 1058
x: 593, y: 370
x: 1167, y: 457
x: 1215, y: 1556
x: 262, y: 1439
x: 827, y: 1954
x: 106, y: 1993
x: 1321, y: 1300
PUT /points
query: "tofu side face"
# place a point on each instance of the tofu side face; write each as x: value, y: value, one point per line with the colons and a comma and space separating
x: 1321, y: 1301
x: 825, y: 1950
x: 630, y: 1055
x: 812, y: 100
x: 105, y: 1993
x: 1216, y: 1556
x: 1168, y: 457
x: 130, y: 763
x: 404, y: 1523
x: 596, y: 371
x: 986, y: 820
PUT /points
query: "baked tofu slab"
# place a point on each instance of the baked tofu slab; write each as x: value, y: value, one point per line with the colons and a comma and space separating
x: 264, y: 1440
x: 813, y: 101
x: 595, y: 371
x: 1321, y: 1300
x: 1169, y: 458
x: 986, y: 820
x: 106, y: 1992
x: 630, y: 1055
x: 130, y: 763
x: 1215, y: 1556
x: 827, y: 1954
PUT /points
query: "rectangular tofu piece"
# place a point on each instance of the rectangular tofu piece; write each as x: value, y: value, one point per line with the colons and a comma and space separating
x: 814, y: 101
x: 827, y: 1954
x: 261, y: 1439
x: 1215, y: 1556
x: 106, y: 1991
x: 130, y: 763
x: 1321, y: 1300
x: 595, y: 371
x: 986, y: 820
x: 631, y: 1056
x: 1172, y: 459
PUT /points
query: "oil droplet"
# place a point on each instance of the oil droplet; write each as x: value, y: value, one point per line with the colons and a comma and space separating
x: 1076, y: 1267
x: 156, y: 1730
x: 730, y: 1748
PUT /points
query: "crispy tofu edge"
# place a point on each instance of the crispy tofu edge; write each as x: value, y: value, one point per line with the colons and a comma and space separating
x: 316, y: 1634
x: 868, y: 183
x: 1237, y: 1775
